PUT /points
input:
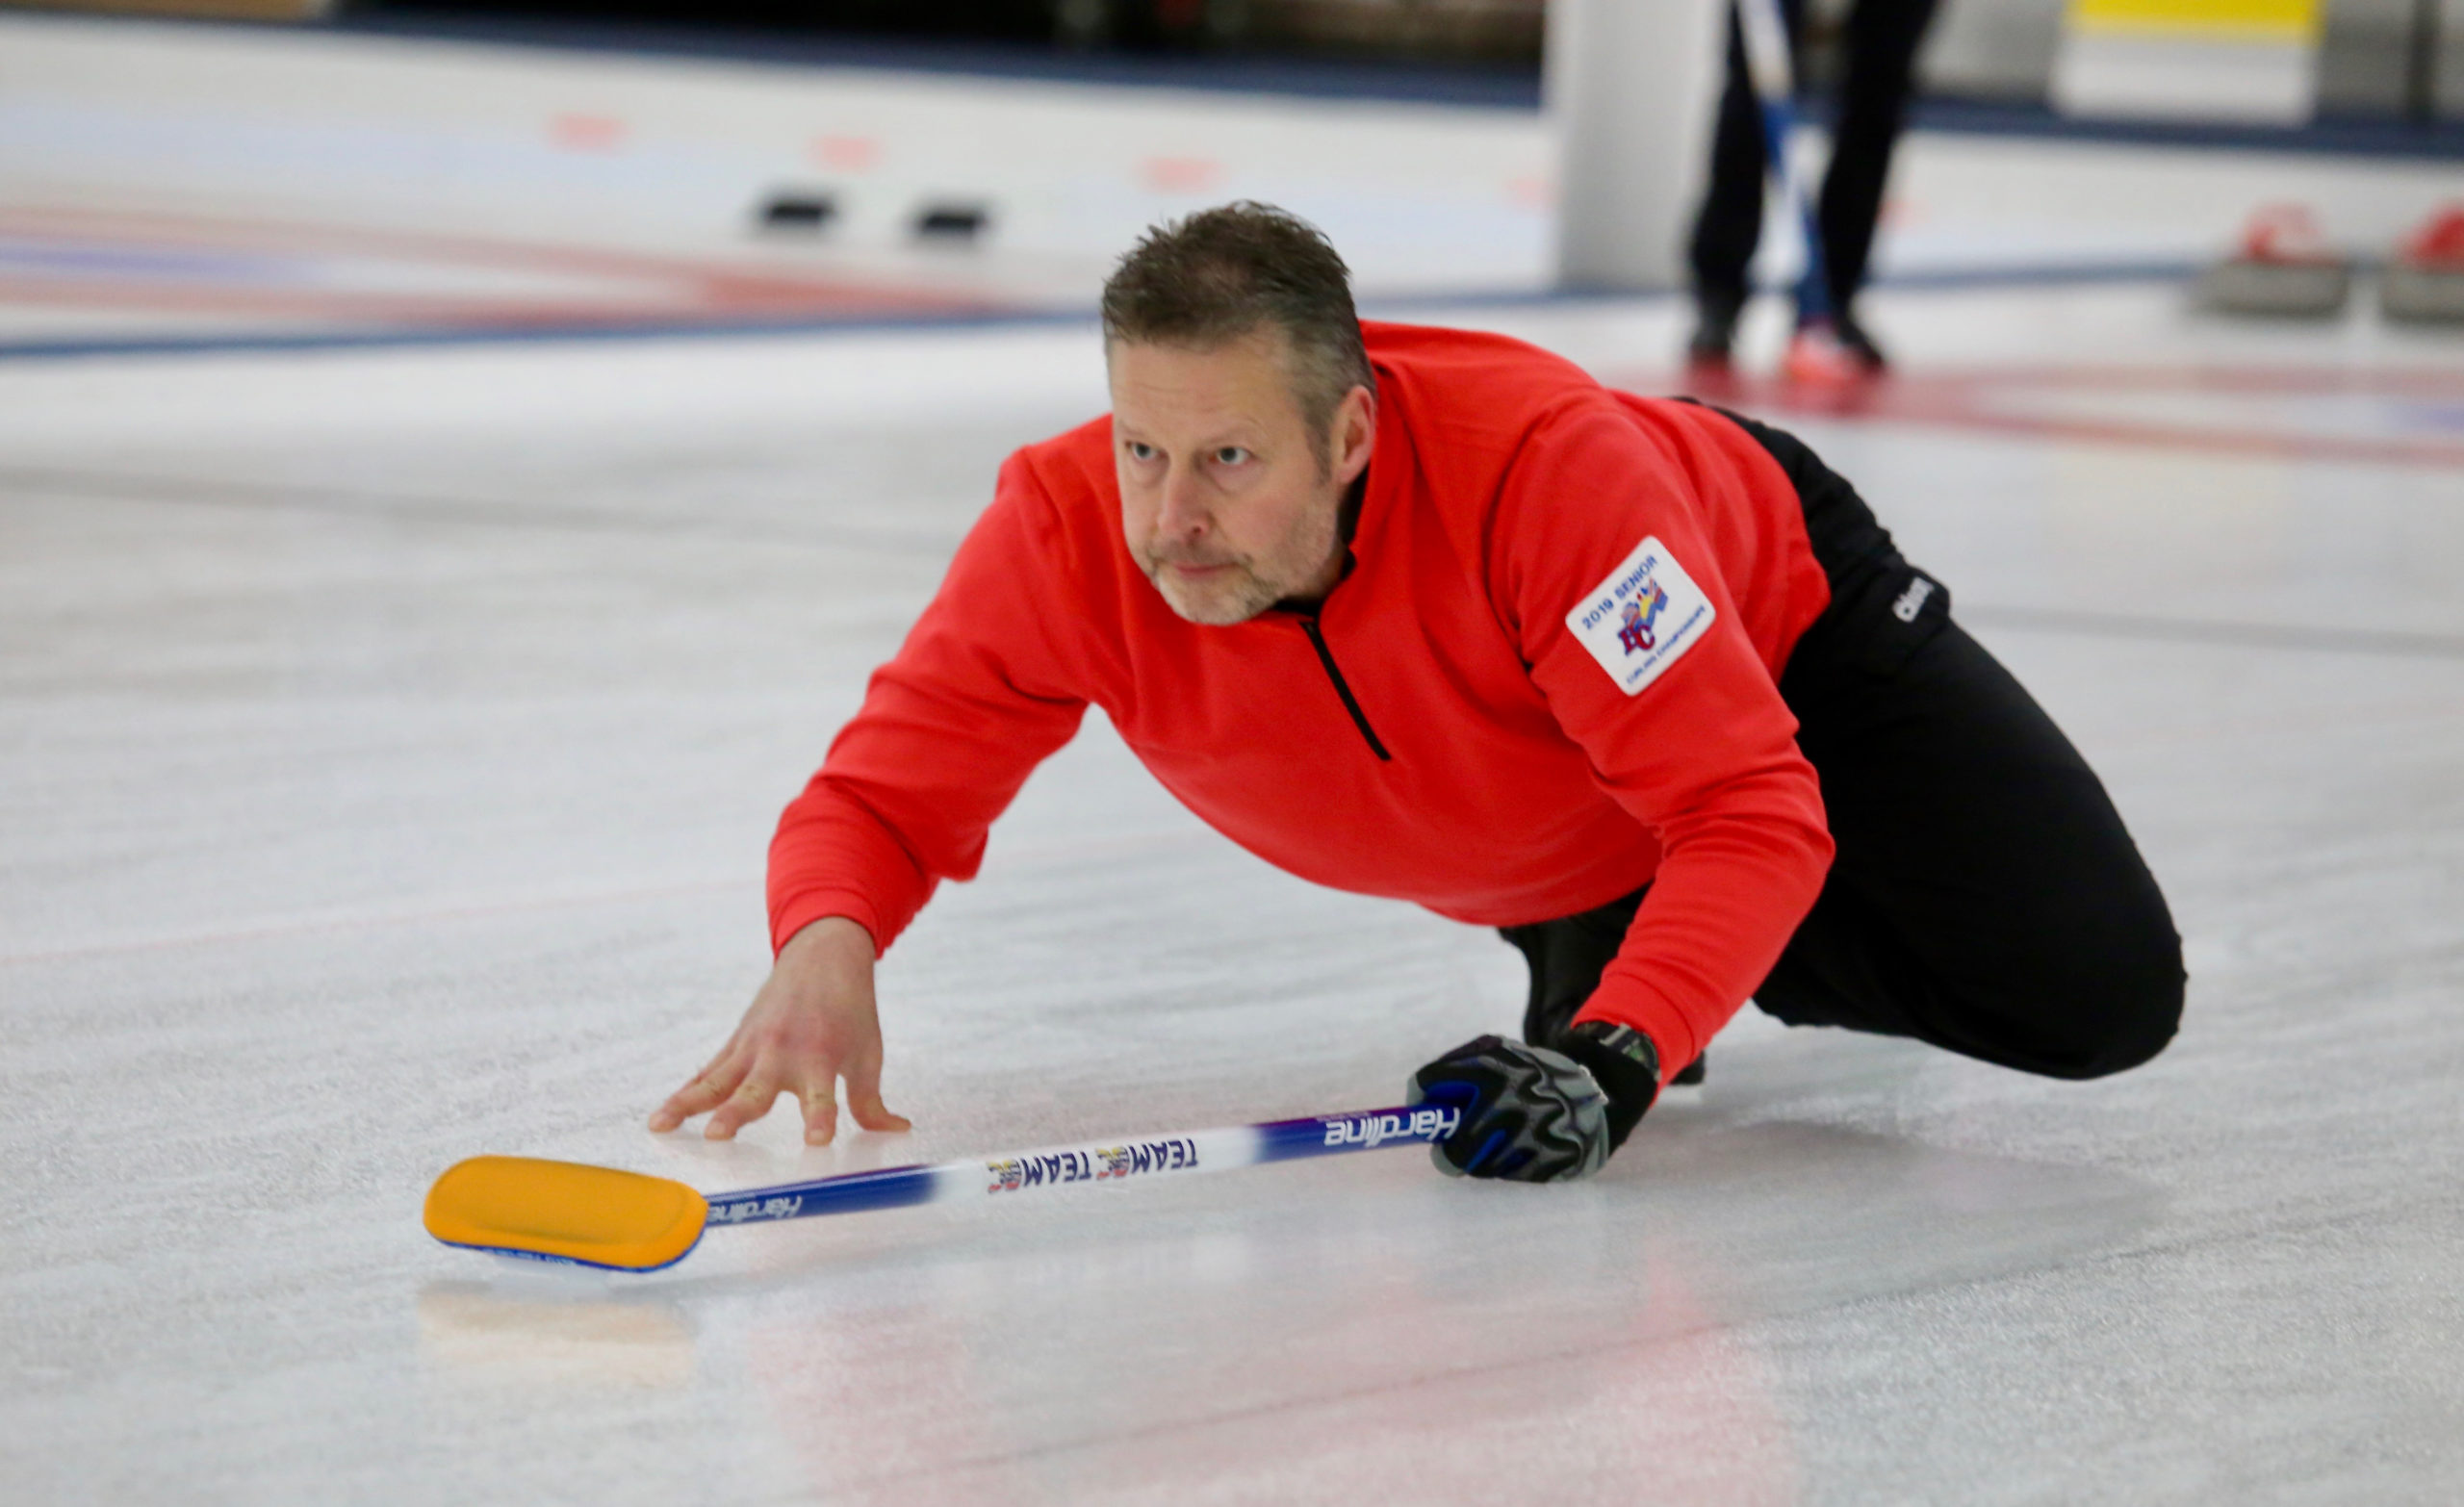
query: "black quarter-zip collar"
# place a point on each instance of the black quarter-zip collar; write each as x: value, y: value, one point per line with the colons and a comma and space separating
x: 1346, y: 522
x: 1309, y: 625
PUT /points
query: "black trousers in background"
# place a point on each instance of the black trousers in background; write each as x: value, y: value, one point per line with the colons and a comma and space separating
x: 1984, y: 896
x: 1882, y: 41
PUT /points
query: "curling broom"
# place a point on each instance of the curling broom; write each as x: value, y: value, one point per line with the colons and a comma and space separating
x: 1764, y: 29
x: 572, y: 1214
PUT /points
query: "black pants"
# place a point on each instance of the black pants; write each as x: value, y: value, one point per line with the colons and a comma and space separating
x: 1984, y: 896
x: 1881, y: 37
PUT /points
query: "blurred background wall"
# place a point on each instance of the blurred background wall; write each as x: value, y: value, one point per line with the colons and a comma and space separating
x: 2368, y: 60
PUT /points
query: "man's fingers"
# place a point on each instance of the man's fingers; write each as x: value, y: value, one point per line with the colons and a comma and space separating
x: 874, y: 1115
x: 706, y: 1091
x: 864, y: 1096
x: 749, y: 1102
x: 821, y: 1115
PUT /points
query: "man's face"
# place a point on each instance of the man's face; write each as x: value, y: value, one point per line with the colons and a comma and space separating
x: 1229, y: 502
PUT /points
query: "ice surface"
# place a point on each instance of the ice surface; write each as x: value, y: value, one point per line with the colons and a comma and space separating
x: 386, y: 781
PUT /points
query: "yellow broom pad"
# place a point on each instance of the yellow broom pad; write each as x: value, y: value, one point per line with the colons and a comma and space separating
x: 566, y: 1212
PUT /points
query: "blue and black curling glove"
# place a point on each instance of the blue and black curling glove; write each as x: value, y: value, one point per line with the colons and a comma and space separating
x: 1534, y: 1115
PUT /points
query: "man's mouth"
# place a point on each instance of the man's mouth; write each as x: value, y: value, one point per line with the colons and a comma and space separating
x: 1195, y: 568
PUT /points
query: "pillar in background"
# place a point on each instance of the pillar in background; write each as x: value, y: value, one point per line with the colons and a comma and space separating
x: 1631, y: 87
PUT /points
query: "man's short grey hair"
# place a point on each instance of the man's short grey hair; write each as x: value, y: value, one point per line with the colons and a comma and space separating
x: 1227, y: 273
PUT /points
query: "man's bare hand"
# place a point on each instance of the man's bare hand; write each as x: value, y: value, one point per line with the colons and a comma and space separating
x: 813, y: 1024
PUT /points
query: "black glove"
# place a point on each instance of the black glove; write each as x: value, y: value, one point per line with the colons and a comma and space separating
x: 1538, y: 1116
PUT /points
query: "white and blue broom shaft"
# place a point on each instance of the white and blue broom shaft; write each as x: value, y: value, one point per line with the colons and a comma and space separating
x: 1765, y: 30
x: 1099, y: 1162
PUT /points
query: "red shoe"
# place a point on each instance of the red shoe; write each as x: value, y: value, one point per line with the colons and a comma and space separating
x: 1710, y: 356
x: 1817, y: 357
x: 1712, y: 376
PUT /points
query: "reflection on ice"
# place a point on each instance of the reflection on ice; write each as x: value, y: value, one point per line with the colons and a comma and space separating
x: 531, y: 1336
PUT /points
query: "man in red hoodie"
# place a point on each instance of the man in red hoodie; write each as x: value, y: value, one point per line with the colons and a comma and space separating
x: 1433, y: 615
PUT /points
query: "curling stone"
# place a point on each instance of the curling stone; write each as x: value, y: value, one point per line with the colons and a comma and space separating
x: 2285, y: 268
x: 2425, y: 283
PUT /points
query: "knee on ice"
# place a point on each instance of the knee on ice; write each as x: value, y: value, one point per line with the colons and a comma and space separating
x: 2120, y: 1006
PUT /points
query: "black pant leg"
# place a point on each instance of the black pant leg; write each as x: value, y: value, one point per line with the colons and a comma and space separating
x: 1984, y: 896
x: 1730, y: 223
x: 1882, y: 37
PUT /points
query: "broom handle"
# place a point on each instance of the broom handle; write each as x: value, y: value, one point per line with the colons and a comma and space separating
x: 1095, y: 1162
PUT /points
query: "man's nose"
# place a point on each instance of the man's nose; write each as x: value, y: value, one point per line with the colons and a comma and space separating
x: 1184, y: 514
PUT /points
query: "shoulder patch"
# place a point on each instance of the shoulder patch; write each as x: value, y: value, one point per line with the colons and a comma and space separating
x: 1643, y: 618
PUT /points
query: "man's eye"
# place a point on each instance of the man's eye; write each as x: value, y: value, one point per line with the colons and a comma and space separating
x: 1141, y: 452
x: 1230, y: 455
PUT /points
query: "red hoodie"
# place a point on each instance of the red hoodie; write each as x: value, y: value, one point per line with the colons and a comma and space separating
x: 1549, y: 677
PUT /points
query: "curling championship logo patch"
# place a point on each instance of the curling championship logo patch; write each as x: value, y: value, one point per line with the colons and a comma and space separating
x: 1640, y: 620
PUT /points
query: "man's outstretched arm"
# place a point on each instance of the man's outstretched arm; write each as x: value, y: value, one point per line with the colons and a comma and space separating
x: 950, y: 729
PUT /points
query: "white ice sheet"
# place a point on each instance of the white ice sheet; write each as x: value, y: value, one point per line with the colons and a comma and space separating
x: 388, y: 743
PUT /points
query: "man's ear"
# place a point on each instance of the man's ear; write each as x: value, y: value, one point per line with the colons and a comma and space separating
x: 1355, y: 433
